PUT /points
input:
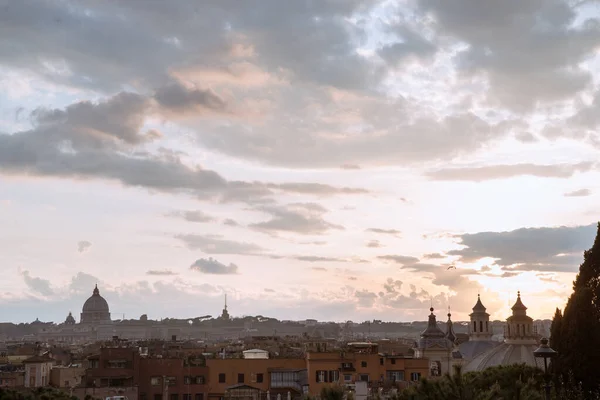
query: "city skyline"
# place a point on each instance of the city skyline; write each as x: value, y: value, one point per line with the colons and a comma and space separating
x: 332, y: 160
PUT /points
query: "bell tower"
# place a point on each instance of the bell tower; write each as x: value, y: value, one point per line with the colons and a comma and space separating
x: 480, y: 328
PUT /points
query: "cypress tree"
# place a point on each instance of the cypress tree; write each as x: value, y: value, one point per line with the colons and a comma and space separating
x: 579, y: 332
x: 556, y: 341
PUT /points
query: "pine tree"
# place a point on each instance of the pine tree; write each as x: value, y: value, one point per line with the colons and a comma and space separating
x: 579, y: 333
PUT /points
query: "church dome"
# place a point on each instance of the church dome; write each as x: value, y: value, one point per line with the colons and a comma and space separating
x: 70, y: 320
x: 95, y: 309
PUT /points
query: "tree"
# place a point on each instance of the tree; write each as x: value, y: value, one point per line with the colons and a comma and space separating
x: 556, y: 341
x: 577, y: 332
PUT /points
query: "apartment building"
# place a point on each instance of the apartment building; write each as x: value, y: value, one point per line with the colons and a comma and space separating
x: 362, y: 362
x: 173, y: 379
x: 255, y: 378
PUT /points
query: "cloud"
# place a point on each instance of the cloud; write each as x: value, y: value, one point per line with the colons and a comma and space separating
x: 374, y: 244
x: 175, y: 97
x: 318, y: 259
x: 37, y: 285
x: 319, y: 269
x: 529, y: 249
x: 212, y: 266
x: 393, y: 232
x: 433, y: 255
x: 83, y: 246
x: 230, y: 222
x: 579, y: 193
x: 164, y: 272
x: 404, y: 260
x: 302, y: 218
x: 269, y: 290
x: 216, y: 244
x: 477, y: 174
x: 193, y: 216
x: 508, y: 43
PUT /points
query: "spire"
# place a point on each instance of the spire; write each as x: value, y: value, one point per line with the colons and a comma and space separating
x: 432, y: 329
x: 450, y: 335
x: 96, y: 291
x: 225, y: 301
x: 479, y: 307
x: 519, y: 306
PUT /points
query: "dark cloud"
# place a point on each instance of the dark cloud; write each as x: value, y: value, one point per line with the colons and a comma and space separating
x: 365, y: 298
x: 216, y: 244
x: 511, y: 42
x: 477, y: 174
x: 230, y: 222
x: 175, y: 97
x: 212, y: 266
x: 393, y: 232
x: 302, y: 218
x: 374, y: 244
x: 83, y: 246
x: 315, y: 188
x: 269, y: 290
x: 193, y: 215
x: 530, y: 249
x: 579, y: 193
x: 37, y: 285
x: 164, y: 272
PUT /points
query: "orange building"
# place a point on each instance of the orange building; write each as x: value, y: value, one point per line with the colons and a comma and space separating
x: 230, y: 377
x: 362, y: 362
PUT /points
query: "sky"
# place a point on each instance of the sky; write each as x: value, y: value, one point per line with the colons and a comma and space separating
x: 332, y: 159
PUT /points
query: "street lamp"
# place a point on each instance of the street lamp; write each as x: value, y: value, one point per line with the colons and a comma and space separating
x: 545, y: 352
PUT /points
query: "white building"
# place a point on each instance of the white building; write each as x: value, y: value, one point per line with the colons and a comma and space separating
x: 256, y: 354
x: 37, y: 371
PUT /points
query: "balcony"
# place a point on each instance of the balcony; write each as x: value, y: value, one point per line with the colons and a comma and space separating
x: 295, y: 385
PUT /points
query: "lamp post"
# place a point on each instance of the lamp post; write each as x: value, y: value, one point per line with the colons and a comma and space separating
x: 545, y: 352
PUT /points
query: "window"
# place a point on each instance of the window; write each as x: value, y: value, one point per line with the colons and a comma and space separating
x: 199, y: 380
x: 474, y: 326
x: 393, y: 361
x: 143, y: 396
x: 334, y: 376
x: 158, y: 397
x: 486, y: 326
x: 171, y: 380
x: 221, y: 378
x: 186, y: 397
x: 363, y: 364
x: 415, y: 376
x: 321, y: 376
x: 480, y: 326
x: 364, y: 377
x: 395, y: 376
x: 199, y: 396
x: 155, y: 381
x: 174, y: 396
x: 381, y: 361
x: 187, y: 380
x: 347, y: 378
x: 259, y: 378
x: 240, y: 378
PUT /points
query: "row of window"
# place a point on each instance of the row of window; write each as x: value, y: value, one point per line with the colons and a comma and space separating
x: 480, y: 326
x: 172, y: 381
x: 254, y: 378
x: 174, y: 396
x: 363, y: 364
x: 333, y: 376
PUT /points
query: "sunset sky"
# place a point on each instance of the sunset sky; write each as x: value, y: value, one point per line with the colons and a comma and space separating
x: 324, y: 159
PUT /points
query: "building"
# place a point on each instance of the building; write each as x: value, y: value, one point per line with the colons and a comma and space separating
x: 239, y: 377
x: 438, y: 347
x: 521, y: 339
x: 66, y: 377
x: 480, y: 333
x: 361, y: 362
x: 95, y: 310
x: 37, y: 371
x: 173, y: 378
